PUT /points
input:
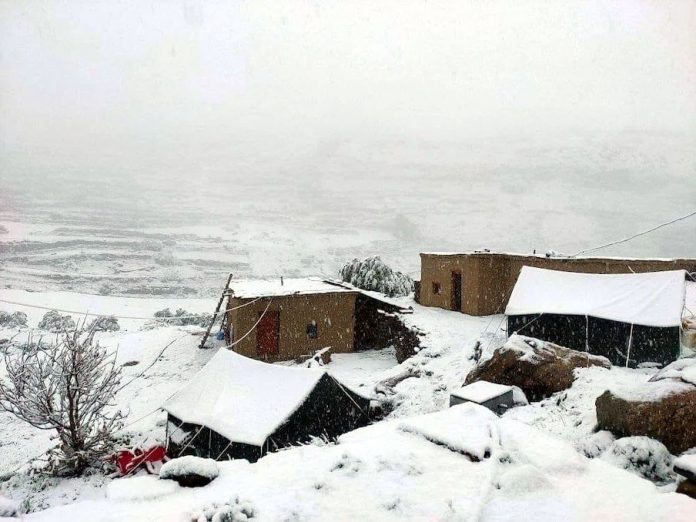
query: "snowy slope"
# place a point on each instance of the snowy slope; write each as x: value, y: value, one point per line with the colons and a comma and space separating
x: 385, y: 473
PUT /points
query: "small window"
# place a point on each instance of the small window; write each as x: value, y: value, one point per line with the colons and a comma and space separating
x: 312, y: 330
x: 437, y: 288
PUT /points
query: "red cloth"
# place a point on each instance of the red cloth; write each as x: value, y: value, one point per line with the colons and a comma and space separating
x: 127, y: 460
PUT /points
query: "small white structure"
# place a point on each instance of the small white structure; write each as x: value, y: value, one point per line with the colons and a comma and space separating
x: 495, y: 397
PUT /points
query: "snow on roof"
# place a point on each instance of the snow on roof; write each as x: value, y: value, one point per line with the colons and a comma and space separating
x: 481, y: 391
x: 649, y: 299
x: 392, y: 301
x: 554, y: 255
x: 252, y: 288
x: 242, y: 399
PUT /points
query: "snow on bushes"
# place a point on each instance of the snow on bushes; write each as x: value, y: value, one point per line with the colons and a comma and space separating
x: 105, y: 324
x: 181, y: 318
x: 55, y: 322
x: 233, y: 511
x: 643, y: 456
x: 190, y: 471
x: 15, y: 320
x: 373, y: 274
x: 596, y: 444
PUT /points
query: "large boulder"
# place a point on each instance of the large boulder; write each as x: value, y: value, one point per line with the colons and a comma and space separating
x: 539, y: 368
x: 663, y: 408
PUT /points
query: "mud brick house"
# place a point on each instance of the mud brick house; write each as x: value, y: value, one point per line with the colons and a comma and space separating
x: 283, y: 319
x: 480, y: 283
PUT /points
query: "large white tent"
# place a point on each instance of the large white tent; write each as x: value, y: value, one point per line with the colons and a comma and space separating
x: 628, y: 318
x: 250, y: 403
x: 649, y: 299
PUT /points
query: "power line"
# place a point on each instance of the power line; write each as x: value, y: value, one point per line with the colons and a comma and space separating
x: 626, y: 239
x: 134, y: 317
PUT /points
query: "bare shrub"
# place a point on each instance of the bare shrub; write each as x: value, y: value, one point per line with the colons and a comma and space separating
x: 67, y: 386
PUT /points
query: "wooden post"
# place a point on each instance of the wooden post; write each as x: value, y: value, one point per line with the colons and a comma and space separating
x: 212, y: 321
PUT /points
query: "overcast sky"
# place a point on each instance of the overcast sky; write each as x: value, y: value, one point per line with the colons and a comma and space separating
x: 131, y: 71
x: 458, y: 124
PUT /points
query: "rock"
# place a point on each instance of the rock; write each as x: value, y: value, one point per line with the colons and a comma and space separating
x: 687, y: 487
x: 670, y: 419
x: 539, y: 368
x: 190, y: 471
x: 686, y: 465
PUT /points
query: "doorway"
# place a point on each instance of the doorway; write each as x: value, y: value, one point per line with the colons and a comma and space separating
x: 457, y: 291
x: 267, y: 334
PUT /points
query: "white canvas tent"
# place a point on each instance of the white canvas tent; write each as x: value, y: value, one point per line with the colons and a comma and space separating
x: 629, y: 318
x: 649, y: 299
x: 247, y: 402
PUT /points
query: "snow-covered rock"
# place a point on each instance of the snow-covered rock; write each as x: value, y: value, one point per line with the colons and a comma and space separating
x: 190, y: 471
x: 373, y: 274
x: 664, y: 408
x: 685, y: 465
x: 538, y: 367
x: 466, y: 428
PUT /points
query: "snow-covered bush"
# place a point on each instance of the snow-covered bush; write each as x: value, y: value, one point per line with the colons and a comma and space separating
x: 105, y: 324
x: 594, y: 445
x: 67, y: 386
x: 107, y: 288
x: 55, y: 322
x: 373, y: 274
x: 190, y: 471
x: 15, y: 320
x: 3, y: 230
x: 233, y: 511
x: 182, y: 318
x: 643, y: 456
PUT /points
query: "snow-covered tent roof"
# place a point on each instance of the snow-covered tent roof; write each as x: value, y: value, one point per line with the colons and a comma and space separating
x: 649, y: 299
x: 243, y: 399
x: 252, y: 288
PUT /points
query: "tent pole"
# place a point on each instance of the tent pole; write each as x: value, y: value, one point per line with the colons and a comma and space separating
x: 630, y: 342
x: 587, y: 339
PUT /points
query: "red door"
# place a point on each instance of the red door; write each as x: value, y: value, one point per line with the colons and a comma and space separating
x: 267, y: 333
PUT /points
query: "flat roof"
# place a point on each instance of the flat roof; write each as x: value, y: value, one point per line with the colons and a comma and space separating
x: 252, y: 288
x: 556, y: 257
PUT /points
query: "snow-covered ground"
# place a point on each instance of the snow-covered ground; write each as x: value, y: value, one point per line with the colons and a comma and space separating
x: 396, y: 469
